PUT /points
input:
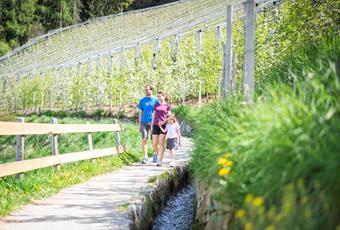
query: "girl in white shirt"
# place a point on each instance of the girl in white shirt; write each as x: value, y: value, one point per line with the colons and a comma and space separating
x: 173, y: 136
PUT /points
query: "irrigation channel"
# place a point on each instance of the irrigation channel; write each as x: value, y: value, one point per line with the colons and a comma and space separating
x: 179, y: 212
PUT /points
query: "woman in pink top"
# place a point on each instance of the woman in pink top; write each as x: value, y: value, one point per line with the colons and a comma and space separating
x: 160, y: 113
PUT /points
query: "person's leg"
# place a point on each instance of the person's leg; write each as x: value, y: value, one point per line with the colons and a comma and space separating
x: 145, y: 131
x: 172, y: 158
x: 155, y: 143
x: 172, y: 155
x: 145, y: 148
x: 161, y: 146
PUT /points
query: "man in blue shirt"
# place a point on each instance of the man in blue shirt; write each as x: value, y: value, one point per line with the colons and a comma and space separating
x: 146, y: 108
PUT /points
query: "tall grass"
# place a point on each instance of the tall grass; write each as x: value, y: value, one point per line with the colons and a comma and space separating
x: 276, y: 163
x: 44, y: 182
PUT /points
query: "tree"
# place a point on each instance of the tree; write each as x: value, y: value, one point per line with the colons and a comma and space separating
x: 95, y: 8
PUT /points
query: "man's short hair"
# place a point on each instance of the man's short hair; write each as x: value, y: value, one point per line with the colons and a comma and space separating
x: 150, y: 87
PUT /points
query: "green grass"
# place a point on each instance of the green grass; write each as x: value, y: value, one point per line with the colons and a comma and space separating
x: 284, y: 148
x: 44, y: 182
x: 123, y: 207
x: 162, y: 176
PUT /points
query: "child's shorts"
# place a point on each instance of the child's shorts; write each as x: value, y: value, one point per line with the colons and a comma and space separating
x: 172, y: 143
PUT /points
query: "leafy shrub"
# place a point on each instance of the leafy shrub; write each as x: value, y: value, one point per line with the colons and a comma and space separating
x: 287, y: 138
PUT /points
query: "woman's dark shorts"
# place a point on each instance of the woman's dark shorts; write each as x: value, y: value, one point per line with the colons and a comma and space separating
x: 156, y: 130
x: 172, y: 143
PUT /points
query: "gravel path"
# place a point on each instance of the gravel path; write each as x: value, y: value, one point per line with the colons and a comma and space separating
x: 95, y: 204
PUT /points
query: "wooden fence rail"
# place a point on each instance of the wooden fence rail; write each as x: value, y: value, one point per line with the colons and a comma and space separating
x: 21, y: 129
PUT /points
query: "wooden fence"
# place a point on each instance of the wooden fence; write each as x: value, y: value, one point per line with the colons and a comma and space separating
x: 20, y: 129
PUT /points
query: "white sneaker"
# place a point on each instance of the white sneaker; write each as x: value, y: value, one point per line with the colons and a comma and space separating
x: 145, y: 161
x: 159, y: 163
x: 172, y: 164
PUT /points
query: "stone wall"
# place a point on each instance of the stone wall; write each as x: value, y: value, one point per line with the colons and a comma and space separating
x: 150, y: 202
x: 208, y: 216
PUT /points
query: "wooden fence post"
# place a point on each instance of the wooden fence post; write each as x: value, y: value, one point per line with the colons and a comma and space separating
x: 117, y: 133
x: 90, y: 143
x: 20, y: 146
x: 89, y: 140
x: 54, y: 139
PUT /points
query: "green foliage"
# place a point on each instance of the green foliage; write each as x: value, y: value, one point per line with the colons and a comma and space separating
x: 4, y: 47
x: 282, y: 31
x: 286, y: 138
x: 187, y: 113
x: 94, y: 8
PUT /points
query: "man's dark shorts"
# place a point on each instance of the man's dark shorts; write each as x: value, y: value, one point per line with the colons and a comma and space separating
x: 156, y: 130
x: 146, y: 130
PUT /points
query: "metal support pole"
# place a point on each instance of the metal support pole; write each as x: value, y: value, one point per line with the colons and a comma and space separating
x: 218, y: 34
x: 200, y: 94
x: 233, y: 74
x: 175, y: 48
x: 156, y: 49
x: 138, y: 53
x: 228, y: 49
x: 249, y: 64
x: 199, y: 41
x: 109, y: 64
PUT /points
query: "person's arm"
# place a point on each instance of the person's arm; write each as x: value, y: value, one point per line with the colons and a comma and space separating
x: 163, y: 122
x: 153, y: 116
x: 140, y: 114
x: 163, y: 130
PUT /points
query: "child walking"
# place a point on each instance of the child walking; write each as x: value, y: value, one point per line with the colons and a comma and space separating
x: 173, y: 138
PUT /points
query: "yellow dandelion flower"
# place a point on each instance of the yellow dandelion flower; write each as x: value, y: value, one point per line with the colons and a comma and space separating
x: 224, y: 171
x: 258, y: 201
x: 240, y: 213
x: 249, y: 198
x: 222, y: 161
x: 228, y: 164
x: 270, y: 227
x: 248, y: 226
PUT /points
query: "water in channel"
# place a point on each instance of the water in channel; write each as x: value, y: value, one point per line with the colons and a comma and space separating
x: 179, y: 212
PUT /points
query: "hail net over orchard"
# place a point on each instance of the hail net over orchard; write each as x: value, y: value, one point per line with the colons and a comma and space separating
x: 105, y: 60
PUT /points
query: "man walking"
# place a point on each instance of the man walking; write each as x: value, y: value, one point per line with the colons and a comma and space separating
x: 146, y: 108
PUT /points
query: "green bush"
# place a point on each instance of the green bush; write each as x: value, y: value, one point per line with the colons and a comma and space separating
x: 283, y: 149
x: 186, y: 113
